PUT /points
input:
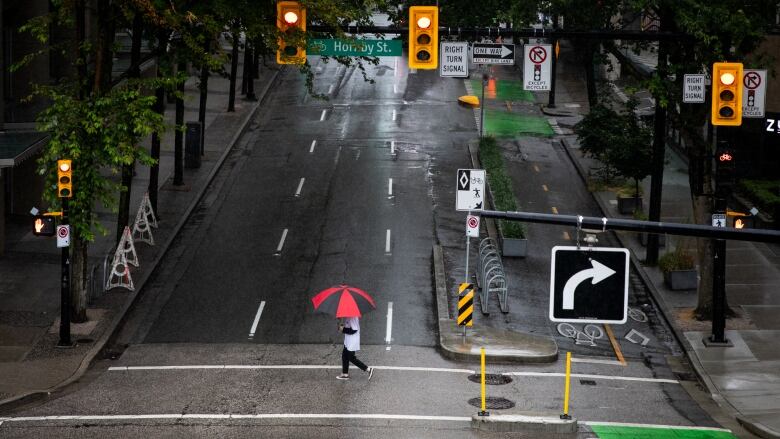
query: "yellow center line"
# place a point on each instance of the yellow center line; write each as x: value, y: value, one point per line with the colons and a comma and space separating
x: 555, y: 210
x: 566, y: 236
x: 615, y: 344
x: 536, y: 168
x: 508, y: 106
x: 544, y: 186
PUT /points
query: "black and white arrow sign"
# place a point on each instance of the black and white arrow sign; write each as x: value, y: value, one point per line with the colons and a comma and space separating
x: 589, y: 285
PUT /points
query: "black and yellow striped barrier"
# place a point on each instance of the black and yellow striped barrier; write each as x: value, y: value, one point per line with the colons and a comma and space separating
x: 465, y: 304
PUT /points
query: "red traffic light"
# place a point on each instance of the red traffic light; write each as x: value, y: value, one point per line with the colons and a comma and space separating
x: 725, y: 157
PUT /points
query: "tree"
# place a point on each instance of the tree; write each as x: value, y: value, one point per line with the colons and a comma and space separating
x: 618, y: 140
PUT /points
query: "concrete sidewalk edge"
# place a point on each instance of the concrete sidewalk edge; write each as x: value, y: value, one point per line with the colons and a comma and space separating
x: 119, y: 318
x: 524, y: 423
x: 753, y: 427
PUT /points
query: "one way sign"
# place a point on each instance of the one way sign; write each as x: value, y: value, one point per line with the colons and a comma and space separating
x: 487, y: 53
x: 589, y: 285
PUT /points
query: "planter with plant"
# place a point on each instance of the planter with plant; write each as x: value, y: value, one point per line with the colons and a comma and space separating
x: 513, y: 238
x: 679, y: 269
x: 623, y: 146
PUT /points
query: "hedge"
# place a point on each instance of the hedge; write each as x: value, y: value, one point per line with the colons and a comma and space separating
x: 500, y: 185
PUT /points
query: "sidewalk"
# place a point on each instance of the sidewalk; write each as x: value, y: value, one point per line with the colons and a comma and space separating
x: 743, y: 379
x: 30, y: 364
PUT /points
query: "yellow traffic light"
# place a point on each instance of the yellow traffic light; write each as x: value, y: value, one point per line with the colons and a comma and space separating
x: 290, y: 18
x: 64, y: 179
x: 423, y: 37
x: 727, y: 93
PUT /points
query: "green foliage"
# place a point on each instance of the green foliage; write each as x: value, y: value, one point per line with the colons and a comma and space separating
x: 679, y: 259
x: 764, y: 193
x: 100, y: 134
x: 618, y: 140
x: 500, y: 185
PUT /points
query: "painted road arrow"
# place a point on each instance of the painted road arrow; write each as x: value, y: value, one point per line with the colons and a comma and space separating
x: 599, y: 272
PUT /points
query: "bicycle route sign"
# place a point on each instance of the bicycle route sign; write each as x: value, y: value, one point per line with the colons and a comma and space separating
x: 589, y: 284
x: 470, y: 189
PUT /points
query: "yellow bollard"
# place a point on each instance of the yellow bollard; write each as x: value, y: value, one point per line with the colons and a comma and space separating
x: 565, y: 414
x: 483, y: 412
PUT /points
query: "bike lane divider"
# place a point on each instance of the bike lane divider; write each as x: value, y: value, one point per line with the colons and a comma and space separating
x: 281, y: 243
x: 300, y: 186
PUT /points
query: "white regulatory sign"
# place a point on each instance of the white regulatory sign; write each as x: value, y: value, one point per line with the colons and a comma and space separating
x: 537, y: 65
x: 454, y: 62
x: 472, y: 226
x: 470, y: 189
x: 753, y: 93
x: 63, y: 236
x: 694, y: 89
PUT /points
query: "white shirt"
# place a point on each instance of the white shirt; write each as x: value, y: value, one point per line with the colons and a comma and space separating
x: 352, y: 341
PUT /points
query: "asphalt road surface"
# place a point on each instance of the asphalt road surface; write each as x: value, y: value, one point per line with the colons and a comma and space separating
x: 355, y: 190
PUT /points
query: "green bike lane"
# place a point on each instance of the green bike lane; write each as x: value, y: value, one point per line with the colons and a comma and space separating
x: 611, y: 431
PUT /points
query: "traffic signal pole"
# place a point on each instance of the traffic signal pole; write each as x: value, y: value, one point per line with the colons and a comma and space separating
x: 65, y: 286
x: 719, y: 285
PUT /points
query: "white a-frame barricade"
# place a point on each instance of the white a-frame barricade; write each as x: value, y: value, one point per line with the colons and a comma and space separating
x: 120, y: 272
x: 142, y: 230
x: 128, y: 248
x: 146, y: 205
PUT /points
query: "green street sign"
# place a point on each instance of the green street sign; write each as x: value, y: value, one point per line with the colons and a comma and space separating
x: 332, y: 47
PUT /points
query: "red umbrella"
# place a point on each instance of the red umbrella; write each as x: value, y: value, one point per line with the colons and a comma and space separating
x: 343, y: 301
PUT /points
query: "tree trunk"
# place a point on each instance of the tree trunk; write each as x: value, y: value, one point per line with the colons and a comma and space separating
x: 78, y: 256
x: 123, y: 216
x: 249, y: 76
x: 233, y: 72
x: 178, y: 152
x: 204, y: 92
x: 159, y: 107
x: 590, y: 75
x: 245, y: 70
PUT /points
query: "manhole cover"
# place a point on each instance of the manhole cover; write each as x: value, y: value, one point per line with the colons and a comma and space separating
x: 491, y: 378
x: 492, y: 403
x: 587, y: 382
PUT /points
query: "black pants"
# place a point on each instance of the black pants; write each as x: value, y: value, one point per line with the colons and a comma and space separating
x: 348, y: 356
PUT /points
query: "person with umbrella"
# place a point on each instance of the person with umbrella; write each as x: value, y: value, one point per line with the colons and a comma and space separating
x: 348, y: 304
x: 350, y: 326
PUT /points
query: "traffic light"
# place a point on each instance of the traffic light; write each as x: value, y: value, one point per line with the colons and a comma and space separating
x: 423, y: 37
x: 64, y: 179
x: 43, y: 225
x: 725, y: 168
x: 727, y: 93
x: 290, y: 18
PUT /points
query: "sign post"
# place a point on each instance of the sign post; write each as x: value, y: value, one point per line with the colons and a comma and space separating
x: 537, y: 63
x: 589, y: 285
x: 63, y: 241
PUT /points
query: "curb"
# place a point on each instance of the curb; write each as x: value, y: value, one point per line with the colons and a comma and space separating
x: 753, y: 427
x: 129, y: 302
x: 524, y: 423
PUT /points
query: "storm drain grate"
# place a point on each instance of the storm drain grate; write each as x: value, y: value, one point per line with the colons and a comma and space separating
x: 587, y: 382
x: 490, y: 378
x: 492, y: 403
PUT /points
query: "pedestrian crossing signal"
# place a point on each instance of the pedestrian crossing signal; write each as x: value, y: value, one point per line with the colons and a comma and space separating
x: 43, y: 225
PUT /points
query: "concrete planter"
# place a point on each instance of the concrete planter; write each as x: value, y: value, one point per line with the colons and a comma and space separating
x: 514, y: 247
x: 627, y: 205
x: 681, y: 279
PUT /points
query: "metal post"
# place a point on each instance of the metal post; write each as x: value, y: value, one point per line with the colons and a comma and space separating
x: 719, y: 294
x: 65, y: 287
x: 553, y: 67
x: 466, y: 275
x: 485, y: 78
x: 483, y: 405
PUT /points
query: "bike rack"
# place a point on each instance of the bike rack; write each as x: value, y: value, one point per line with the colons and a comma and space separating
x: 491, y: 276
